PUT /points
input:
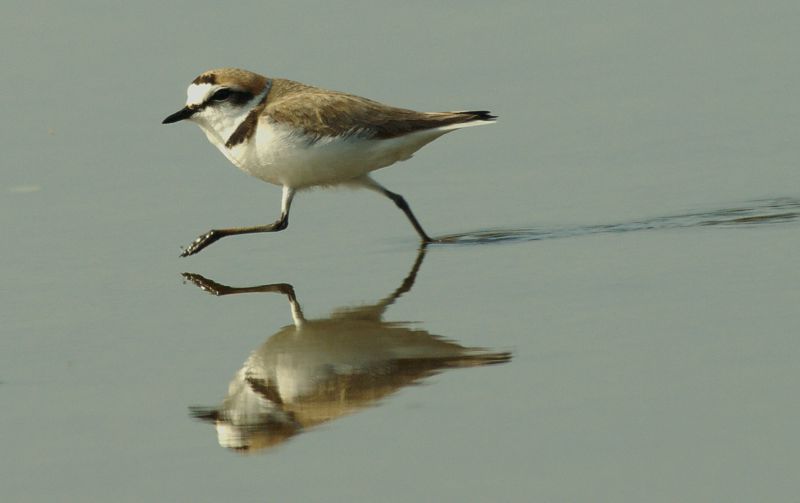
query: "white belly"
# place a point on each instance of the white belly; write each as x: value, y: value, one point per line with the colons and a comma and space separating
x: 277, y: 156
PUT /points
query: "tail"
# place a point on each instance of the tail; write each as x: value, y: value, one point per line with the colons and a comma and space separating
x: 477, y: 115
x: 457, y: 120
x: 474, y: 358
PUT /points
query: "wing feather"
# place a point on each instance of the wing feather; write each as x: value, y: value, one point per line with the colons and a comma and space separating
x: 325, y: 113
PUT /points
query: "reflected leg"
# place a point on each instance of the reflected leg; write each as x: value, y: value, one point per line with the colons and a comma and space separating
x: 218, y: 289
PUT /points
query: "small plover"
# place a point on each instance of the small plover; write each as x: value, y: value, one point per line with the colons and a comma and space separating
x: 299, y: 136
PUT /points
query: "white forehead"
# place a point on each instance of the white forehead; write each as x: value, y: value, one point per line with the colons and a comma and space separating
x: 197, y: 93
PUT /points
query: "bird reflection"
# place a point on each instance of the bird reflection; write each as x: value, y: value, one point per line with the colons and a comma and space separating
x: 315, y: 371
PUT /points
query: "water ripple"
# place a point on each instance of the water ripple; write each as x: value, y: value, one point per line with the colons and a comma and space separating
x: 758, y: 212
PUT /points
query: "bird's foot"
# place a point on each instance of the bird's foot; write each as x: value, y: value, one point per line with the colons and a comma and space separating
x: 201, y: 242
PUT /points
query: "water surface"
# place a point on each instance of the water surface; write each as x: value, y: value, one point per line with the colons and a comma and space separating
x: 624, y: 247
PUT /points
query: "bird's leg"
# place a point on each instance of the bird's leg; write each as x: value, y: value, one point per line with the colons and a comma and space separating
x: 401, y: 203
x: 216, y: 234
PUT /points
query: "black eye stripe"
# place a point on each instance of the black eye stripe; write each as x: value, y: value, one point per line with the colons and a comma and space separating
x: 228, y: 95
x: 240, y: 97
x: 221, y: 95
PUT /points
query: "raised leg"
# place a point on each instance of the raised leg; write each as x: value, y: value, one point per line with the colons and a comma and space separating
x: 216, y: 234
x: 401, y: 203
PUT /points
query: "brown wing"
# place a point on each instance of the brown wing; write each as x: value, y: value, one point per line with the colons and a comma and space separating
x: 326, y: 113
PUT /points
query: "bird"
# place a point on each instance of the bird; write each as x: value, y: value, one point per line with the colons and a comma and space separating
x: 300, y: 136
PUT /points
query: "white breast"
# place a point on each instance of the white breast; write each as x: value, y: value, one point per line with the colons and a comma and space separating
x: 280, y: 156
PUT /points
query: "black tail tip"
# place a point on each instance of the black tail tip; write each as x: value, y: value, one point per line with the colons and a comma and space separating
x: 480, y: 115
x: 205, y: 413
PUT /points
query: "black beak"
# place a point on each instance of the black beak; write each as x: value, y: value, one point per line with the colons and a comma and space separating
x: 183, y: 113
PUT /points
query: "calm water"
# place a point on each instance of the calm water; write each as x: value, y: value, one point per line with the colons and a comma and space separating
x: 615, y: 319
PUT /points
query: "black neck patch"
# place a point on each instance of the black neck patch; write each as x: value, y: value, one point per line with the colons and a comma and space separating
x: 248, y: 126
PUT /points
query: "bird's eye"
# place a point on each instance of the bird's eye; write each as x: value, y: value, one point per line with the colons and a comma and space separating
x: 221, y: 95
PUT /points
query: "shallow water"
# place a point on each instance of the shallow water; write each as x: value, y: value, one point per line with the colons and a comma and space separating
x: 612, y: 315
x: 772, y: 211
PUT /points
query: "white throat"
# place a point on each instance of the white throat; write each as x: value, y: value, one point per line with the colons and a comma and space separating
x: 220, y: 124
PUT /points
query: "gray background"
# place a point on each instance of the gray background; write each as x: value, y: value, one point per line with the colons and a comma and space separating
x: 654, y: 365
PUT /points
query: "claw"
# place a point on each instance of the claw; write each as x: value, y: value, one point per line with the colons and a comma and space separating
x: 201, y: 242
